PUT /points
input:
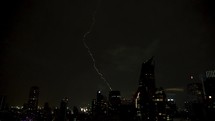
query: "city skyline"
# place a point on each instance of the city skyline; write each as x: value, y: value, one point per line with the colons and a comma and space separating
x: 41, y: 44
x: 171, y: 91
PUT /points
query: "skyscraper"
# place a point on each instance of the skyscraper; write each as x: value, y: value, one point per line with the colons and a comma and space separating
x: 145, y: 93
x: 114, y: 99
x: 195, y: 92
x: 100, y: 107
x: 209, y: 92
x: 114, y: 105
x: 147, y: 77
x: 160, y: 104
x: 33, y: 98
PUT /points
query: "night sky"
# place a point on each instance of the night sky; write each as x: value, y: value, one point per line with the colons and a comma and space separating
x: 41, y: 44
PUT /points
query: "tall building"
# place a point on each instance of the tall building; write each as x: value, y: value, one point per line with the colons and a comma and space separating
x: 209, y: 85
x: 63, y: 109
x: 63, y: 113
x: 171, y: 108
x: 114, y: 105
x: 99, y: 107
x: 160, y: 105
x: 144, y: 95
x: 114, y: 99
x: 33, y: 98
x: 93, y: 107
x: 101, y: 103
x: 147, y: 77
x: 195, y: 92
x: 209, y: 92
x: 47, y: 112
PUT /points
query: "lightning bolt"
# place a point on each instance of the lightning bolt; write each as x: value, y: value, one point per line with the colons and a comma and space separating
x: 89, y: 51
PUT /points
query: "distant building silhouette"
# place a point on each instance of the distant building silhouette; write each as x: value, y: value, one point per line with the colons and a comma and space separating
x: 147, y: 77
x: 30, y: 109
x: 33, y: 98
x: 209, y: 93
x: 114, y: 105
x: 47, y: 112
x: 100, y: 107
x: 195, y: 92
x: 63, y: 113
x: 160, y: 103
x: 145, y: 92
x: 115, y: 100
x: 171, y: 108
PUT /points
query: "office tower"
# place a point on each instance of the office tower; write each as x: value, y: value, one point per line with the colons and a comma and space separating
x: 33, y: 98
x: 127, y: 110
x: 195, y: 92
x: 171, y: 108
x: 147, y: 77
x: 209, y: 86
x: 115, y: 99
x: 100, y: 107
x: 101, y: 104
x: 144, y: 96
x: 93, y: 107
x: 114, y: 105
x: 208, y: 80
x: 160, y: 105
x: 61, y: 114
x: 47, y: 112
x: 194, y: 106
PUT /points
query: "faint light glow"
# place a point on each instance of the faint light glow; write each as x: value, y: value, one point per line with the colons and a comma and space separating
x: 39, y: 107
x: 210, y: 97
x: 210, y: 74
x: 170, y: 99
x: 175, y: 89
x: 84, y: 109
x: 17, y: 107
x: 138, y: 113
x: 191, y: 77
x: 136, y: 100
